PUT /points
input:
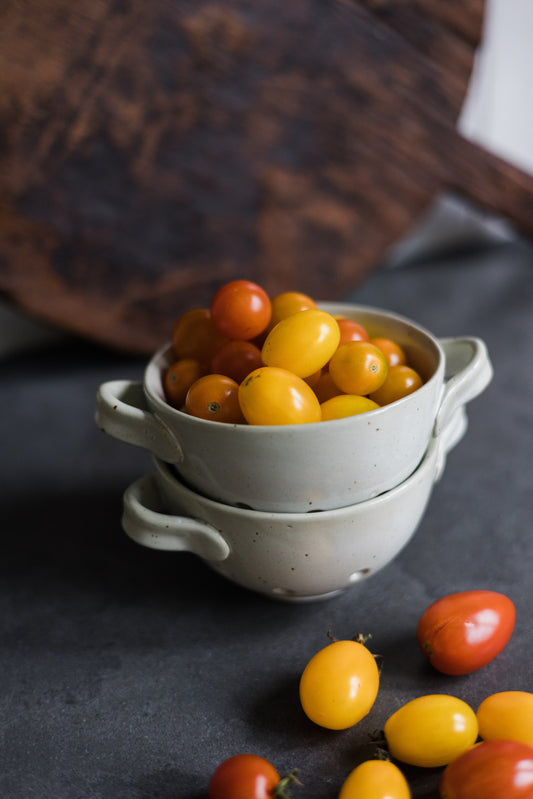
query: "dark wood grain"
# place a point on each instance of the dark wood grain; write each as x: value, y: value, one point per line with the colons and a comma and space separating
x: 151, y: 151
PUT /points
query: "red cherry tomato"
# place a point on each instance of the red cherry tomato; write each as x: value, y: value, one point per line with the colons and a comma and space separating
x: 241, y: 309
x: 462, y: 632
x: 195, y: 336
x: 244, y: 777
x: 490, y: 770
x: 178, y: 379
x: 236, y: 359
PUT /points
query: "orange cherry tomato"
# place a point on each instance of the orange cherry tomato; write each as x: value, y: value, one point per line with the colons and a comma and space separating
x: 302, y: 343
x: 346, y: 405
x: 195, y: 336
x: 490, y: 770
x: 391, y: 349
x: 214, y: 397
x: 289, y: 303
x: 351, y: 330
x: 325, y: 389
x: 273, y: 396
x: 241, y: 309
x: 400, y: 381
x: 178, y: 379
x: 314, y: 379
x: 236, y: 359
x: 508, y: 714
x: 358, y: 367
x: 464, y: 631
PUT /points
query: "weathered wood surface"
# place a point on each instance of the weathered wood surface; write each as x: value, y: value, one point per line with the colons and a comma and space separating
x: 150, y: 151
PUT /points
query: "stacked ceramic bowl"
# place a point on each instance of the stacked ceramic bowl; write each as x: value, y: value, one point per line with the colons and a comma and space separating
x: 298, y: 512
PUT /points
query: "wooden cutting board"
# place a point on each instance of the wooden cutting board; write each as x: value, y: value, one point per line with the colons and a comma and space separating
x: 151, y: 151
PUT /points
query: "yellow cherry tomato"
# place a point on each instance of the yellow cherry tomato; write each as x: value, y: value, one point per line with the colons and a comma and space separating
x: 276, y: 396
x: 509, y: 715
x: 339, y: 685
x: 289, y: 303
x: 431, y: 730
x: 375, y: 779
x: 346, y: 405
x: 358, y: 367
x: 302, y: 343
x: 400, y: 381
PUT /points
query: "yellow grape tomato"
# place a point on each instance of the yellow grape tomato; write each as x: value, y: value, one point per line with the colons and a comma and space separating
x: 302, y: 343
x: 431, y: 731
x: 272, y: 396
x: 375, y: 779
x: 509, y: 715
x: 339, y: 685
x: 346, y: 405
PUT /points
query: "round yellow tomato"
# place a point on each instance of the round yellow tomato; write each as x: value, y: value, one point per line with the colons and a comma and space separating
x: 276, y: 396
x: 302, y: 343
x: 358, y: 367
x: 339, y: 685
x: 509, y: 715
x: 401, y: 380
x: 375, y: 779
x: 431, y: 730
x: 346, y: 405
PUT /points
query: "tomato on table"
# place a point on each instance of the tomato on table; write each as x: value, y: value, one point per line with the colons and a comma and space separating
x: 339, y: 685
x: 490, y: 770
x: 215, y: 398
x: 272, y: 396
x: 302, y: 343
x: 358, y: 367
x: 246, y: 776
x: 507, y: 714
x: 461, y: 632
x: 431, y: 730
x: 375, y: 779
x: 241, y: 309
x: 178, y: 379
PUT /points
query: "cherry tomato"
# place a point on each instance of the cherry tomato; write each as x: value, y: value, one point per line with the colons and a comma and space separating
x: 214, y: 397
x: 358, y: 367
x: 375, y: 779
x: 178, y: 379
x: 314, y: 379
x: 346, y: 405
x: 462, y: 632
x: 244, y: 777
x: 302, y: 343
x: 490, y: 770
x: 274, y: 396
x: 401, y: 380
x: 195, y: 336
x: 289, y: 303
x: 394, y: 353
x: 431, y: 730
x: 351, y: 330
x: 508, y: 714
x: 325, y: 388
x: 241, y: 309
x: 236, y: 359
x: 339, y: 685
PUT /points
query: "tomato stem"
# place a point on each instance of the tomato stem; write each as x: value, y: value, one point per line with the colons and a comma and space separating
x: 281, y: 789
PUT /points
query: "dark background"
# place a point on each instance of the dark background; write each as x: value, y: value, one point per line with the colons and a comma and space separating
x: 130, y: 674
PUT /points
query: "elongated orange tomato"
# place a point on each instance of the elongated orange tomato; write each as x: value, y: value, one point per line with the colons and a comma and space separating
x: 273, y: 396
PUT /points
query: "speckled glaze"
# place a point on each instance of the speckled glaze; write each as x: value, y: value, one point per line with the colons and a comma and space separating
x: 297, y: 468
x: 288, y: 556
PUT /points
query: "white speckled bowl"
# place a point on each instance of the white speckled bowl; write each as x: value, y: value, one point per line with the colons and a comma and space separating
x: 290, y: 556
x: 296, y: 468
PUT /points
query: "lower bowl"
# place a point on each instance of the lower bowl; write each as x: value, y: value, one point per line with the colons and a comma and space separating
x: 290, y: 556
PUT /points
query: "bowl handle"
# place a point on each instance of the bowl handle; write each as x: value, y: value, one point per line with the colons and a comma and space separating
x: 121, y: 411
x: 147, y: 526
x: 468, y: 373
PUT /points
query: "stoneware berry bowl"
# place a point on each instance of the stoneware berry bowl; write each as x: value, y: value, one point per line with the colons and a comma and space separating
x: 288, y: 556
x: 299, y: 468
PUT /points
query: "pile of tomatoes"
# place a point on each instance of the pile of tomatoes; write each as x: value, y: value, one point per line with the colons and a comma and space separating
x: 459, y: 634
x: 250, y: 359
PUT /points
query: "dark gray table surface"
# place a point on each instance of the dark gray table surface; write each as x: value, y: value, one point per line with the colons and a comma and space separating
x: 130, y: 674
